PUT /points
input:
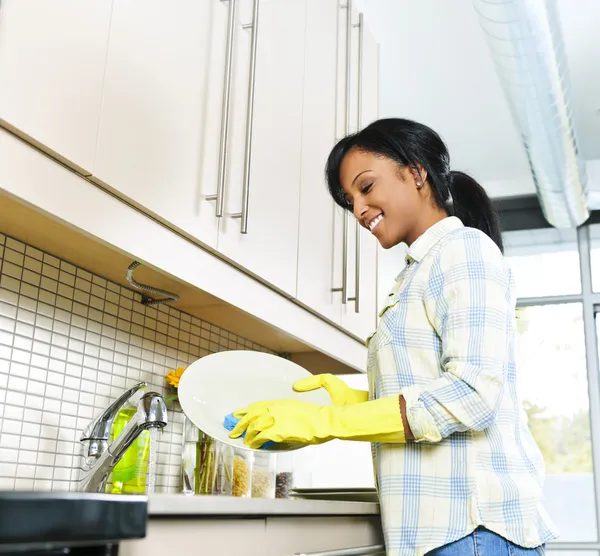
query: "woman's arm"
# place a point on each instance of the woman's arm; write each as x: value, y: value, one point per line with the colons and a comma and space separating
x: 407, y: 432
x: 470, y: 304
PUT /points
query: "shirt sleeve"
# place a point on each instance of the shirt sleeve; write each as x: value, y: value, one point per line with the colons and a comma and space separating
x: 470, y: 304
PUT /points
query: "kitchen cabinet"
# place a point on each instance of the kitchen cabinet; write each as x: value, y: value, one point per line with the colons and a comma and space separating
x: 362, y: 258
x: 163, y: 115
x: 199, y: 536
x: 270, y: 246
x: 70, y: 220
x: 331, y: 111
x: 300, y: 535
x: 316, y: 244
x: 52, y: 60
x: 264, y: 534
x: 131, y: 95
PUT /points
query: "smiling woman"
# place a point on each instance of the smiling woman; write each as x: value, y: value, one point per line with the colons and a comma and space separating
x: 457, y: 467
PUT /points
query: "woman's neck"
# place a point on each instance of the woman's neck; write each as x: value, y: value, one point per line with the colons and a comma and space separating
x: 429, y: 219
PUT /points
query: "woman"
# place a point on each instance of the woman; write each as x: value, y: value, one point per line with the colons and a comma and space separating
x: 458, y: 471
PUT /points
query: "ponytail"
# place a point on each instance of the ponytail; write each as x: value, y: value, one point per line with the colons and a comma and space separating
x: 473, y: 206
x: 410, y: 143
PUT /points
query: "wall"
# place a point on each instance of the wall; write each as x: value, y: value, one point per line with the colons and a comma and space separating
x: 70, y: 342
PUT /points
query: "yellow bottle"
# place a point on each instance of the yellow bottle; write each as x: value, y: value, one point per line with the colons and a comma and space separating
x: 129, y: 476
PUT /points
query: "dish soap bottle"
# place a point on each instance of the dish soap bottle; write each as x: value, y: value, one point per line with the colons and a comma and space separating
x: 130, y: 475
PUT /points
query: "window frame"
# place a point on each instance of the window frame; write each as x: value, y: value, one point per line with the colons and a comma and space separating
x: 590, y: 302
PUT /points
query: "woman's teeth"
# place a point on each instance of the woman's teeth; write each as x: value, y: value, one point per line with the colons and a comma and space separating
x: 375, y: 221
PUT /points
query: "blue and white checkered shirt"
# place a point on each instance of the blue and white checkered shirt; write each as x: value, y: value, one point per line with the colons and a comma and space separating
x: 446, y: 341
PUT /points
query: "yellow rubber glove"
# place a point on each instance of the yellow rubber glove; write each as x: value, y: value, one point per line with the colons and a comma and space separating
x: 339, y: 392
x: 298, y: 422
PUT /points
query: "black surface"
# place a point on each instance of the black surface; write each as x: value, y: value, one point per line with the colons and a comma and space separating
x: 525, y: 213
x: 521, y: 213
x: 86, y: 550
x: 30, y: 520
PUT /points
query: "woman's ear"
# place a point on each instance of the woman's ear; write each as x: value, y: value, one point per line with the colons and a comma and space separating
x: 419, y: 175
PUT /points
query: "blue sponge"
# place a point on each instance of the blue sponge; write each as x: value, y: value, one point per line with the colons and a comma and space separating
x: 230, y: 422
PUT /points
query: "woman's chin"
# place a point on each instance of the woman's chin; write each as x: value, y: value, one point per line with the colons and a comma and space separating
x: 387, y: 243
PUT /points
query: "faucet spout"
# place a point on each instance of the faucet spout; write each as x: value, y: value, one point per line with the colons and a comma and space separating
x: 96, y: 464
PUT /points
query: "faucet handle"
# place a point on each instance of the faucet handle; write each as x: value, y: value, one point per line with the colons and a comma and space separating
x: 99, y: 429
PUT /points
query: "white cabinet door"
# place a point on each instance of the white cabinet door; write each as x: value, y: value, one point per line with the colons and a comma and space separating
x: 370, y: 79
x: 321, y: 241
x: 304, y: 535
x: 316, y: 231
x: 199, y: 536
x: 162, y: 108
x: 361, y: 319
x: 52, y: 59
x: 269, y: 249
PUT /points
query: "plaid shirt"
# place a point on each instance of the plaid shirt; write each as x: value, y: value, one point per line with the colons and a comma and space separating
x: 446, y: 342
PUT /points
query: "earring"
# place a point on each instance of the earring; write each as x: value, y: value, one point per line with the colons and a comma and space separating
x: 419, y: 184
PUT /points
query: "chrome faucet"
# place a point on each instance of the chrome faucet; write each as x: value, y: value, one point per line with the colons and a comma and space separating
x: 97, y: 458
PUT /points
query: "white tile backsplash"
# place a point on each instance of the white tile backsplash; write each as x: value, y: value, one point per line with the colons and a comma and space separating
x: 71, y: 342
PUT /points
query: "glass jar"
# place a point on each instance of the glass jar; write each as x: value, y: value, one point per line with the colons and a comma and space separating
x: 224, y: 473
x: 284, y: 480
x: 242, y: 473
x: 263, y: 475
x: 198, y: 460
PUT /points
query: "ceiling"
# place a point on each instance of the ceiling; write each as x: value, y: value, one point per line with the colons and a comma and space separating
x: 436, y: 68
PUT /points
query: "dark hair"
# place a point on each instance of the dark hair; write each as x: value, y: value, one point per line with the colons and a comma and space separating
x: 409, y: 144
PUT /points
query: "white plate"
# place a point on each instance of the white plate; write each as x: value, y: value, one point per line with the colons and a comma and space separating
x: 220, y: 383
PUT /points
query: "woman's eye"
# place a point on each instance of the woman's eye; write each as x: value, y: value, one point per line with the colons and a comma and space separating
x: 367, y: 188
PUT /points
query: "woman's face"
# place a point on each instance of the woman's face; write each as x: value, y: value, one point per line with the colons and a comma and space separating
x: 384, y: 195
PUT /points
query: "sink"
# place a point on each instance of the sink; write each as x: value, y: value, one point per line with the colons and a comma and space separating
x: 49, y: 522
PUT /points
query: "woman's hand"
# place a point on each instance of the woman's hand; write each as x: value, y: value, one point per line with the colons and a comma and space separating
x: 340, y: 393
x: 298, y: 422
x: 285, y: 421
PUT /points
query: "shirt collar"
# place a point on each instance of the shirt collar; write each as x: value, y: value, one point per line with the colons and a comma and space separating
x: 433, y: 235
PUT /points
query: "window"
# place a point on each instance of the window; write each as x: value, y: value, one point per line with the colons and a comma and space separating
x: 545, y: 262
x: 595, y: 255
x: 553, y: 386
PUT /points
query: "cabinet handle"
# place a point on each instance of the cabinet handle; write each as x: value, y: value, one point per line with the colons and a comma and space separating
x: 359, y: 551
x: 220, y: 196
x: 249, y: 121
x: 356, y: 297
x: 359, y: 68
x: 348, y: 64
x: 344, y: 288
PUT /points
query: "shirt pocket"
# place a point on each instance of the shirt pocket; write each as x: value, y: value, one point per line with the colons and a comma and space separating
x: 389, y: 304
x: 383, y: 333
x: 387, y: 322
x: 376, y: 335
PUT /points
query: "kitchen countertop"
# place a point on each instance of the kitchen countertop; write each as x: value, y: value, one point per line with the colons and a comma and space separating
x: 209, y: 506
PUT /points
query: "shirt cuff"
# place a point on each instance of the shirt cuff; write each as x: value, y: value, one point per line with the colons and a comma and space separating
x: 420, y: 420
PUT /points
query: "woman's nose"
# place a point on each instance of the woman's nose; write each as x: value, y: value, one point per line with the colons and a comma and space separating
x: 360, y: 209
